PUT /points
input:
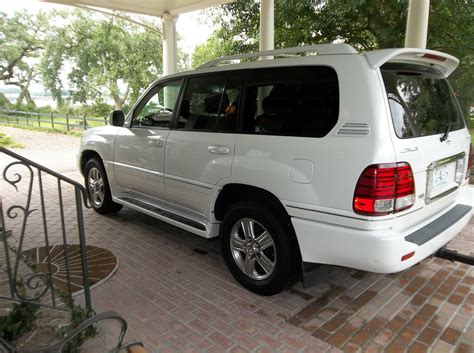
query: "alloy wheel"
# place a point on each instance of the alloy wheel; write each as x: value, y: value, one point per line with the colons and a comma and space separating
x: 253, y: 249
x: 96, y: 186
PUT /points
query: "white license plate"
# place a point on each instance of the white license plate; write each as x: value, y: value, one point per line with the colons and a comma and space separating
x: 444, y: 175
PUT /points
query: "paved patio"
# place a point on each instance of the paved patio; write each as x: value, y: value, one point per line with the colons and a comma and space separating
x: 178, y: 296
x: 175, y: 292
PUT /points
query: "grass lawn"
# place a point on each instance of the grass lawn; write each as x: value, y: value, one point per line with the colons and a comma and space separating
x: 46, y: 129
x: 6, y: 141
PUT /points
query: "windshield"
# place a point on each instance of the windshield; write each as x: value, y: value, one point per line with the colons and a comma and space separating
x: 421, y: 101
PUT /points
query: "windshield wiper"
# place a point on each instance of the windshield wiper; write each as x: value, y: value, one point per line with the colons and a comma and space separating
x: 446, y: 133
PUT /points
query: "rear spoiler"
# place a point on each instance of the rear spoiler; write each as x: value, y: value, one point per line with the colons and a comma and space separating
x: 443, y: 62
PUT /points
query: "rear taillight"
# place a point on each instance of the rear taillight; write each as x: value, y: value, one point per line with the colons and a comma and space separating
x: 384, y: 188
x: 469, y: 163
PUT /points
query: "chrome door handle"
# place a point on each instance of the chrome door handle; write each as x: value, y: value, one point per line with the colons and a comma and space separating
x: 218, y: 149
x: 155, y: 141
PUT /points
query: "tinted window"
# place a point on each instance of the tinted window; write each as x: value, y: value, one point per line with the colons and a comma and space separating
x: 210, y: 103
x: 291, y: 101
x: 156, y: 109
x: 228, y: 112
x: 421, y: 101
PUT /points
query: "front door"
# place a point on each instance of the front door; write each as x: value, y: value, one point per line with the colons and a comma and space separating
x: 140, y: 148
x: 200, y: 149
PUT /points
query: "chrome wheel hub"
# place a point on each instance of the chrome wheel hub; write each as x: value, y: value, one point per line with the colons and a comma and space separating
x: 253, y: 249
x: 95, y: 184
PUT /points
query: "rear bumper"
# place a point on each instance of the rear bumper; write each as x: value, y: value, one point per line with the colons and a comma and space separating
x: 377, y: 250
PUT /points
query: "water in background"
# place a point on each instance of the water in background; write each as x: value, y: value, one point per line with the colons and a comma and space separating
x: 43, y: 101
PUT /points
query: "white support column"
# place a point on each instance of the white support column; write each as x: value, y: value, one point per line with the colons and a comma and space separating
x: 417, y: 24
x: 266, y: 42
x: 267, y: 9
x: 169, y: 43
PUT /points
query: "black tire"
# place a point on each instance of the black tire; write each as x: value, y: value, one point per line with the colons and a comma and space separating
x: 99, y: 194
x: 283, y: 254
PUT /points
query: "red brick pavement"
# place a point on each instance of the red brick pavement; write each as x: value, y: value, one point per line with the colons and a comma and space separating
x: 175, y: 292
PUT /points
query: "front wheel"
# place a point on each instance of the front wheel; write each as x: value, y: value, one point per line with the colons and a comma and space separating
x: 97, y: 186
x: 257, y: 248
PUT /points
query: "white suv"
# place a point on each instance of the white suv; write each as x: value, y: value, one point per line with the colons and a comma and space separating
x: 338, y: 157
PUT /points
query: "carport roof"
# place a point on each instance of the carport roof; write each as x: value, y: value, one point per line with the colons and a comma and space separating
x: 146, y: 7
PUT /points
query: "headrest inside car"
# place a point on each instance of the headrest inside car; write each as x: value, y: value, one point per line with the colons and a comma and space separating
x: 212, y: 102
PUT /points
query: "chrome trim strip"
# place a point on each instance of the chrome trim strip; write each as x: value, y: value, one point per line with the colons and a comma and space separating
x: 139, y: 169
x: 446, y: 160
x: 190, y: 182
x: 429, y: 176
x: 443, y: 194
x: 338, y: 215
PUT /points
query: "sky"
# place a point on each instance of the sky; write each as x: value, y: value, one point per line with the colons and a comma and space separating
x: 192, y: 27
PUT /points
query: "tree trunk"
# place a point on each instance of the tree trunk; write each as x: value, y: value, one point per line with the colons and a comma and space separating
x: 24, y: 85
x: 111, y: 84
x: 117, y: 104
x: 5, y: 101
x: 114, y: 92
x: 25, y: 95
x: 125, y: 96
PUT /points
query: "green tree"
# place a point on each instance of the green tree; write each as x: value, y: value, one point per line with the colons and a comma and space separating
x: 365, y: 24
x: 21, y: 42
x: 102, y: 52
x: 214, y: 47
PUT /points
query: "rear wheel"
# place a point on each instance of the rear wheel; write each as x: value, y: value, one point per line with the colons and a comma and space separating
x: 97, y: 187
x: 257, y: 248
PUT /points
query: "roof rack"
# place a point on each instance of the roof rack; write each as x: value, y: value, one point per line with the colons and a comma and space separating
x: 321, y: 49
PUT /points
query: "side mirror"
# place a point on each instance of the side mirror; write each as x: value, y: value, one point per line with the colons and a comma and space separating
x: 117, y: 118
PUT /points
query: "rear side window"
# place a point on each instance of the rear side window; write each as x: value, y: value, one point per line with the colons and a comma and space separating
x: 421, y: 101
x: 210, y: 103
x: 291, y: 101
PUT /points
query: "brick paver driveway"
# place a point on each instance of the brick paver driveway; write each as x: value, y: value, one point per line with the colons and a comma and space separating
x: 175, y: 292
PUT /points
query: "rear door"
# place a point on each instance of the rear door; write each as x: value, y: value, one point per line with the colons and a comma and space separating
x: 200, y: 148
x: 428, y: 132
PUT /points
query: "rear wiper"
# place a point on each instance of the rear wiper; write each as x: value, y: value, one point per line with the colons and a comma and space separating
x: 446, y: 133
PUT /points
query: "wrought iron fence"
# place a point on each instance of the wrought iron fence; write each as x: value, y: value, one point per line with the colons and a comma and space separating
x: 28, y: 215
x: 37, y: 284
x: 49, y: 120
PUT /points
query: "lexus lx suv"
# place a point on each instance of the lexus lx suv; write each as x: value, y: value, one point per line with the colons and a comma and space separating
x: 314, y: 155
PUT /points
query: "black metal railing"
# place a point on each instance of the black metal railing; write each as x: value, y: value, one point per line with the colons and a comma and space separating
x: 48, y: 214
x: 29, y: 219
x: 50, y: 120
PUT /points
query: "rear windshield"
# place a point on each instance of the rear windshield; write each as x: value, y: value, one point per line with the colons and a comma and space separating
x: 421, y: 101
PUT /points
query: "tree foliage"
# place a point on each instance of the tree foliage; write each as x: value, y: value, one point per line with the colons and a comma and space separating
x: 215, y: 46
x: 109, y: 52
x: 91, y: 55
x: 365, y: 24
x: 21, y: 42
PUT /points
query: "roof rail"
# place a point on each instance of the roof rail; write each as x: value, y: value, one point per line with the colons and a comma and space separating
x: 321, y: 49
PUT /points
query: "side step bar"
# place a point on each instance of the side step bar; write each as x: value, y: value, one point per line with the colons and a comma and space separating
x: 166, y: 214
x: 181, y: 221
x: 453, y: 255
